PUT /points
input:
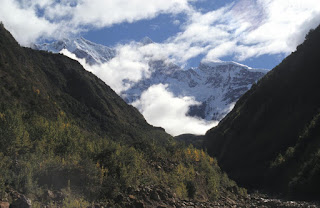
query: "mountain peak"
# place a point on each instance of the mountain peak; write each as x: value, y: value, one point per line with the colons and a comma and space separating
x: 146, y: 41
x: 207, y: 64
x: 221, y: 63
x: 92, y: 52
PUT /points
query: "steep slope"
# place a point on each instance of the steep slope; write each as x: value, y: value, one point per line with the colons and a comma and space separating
x: 59, y: 83
x: 67, y: 140
x: 271, y: 122
x: 216, y: 85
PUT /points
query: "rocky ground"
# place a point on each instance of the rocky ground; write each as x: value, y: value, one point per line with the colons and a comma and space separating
x: 147, y: 197
x: 251, y: 201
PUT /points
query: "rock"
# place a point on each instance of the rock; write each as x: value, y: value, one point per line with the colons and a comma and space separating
x: 139, y: 204
x: 130, y: 189
x: 163, y: 196
x: 4, y: 204
x: 50, y: 194
x: 132, y: 197
x: 154, y: 196
x: 95, y: 206
x: 119, y: 198
x: 21, y: 201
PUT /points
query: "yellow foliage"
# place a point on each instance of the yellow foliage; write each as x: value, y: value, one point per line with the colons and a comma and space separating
x: 37, y: 91
x: 62, y: 113
x: 203, y: 154
x: 196, y: 155
x: 181, y: 190
x: 2, y: 116
x: 189, y: 152
x: 211, y: 160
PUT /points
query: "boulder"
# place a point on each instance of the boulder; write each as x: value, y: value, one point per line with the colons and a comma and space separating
x: 21, y: 201
x: 4, y: 204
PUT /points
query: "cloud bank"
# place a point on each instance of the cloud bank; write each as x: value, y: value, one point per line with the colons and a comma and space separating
x: 157, y: 104
x: 30, y: 20
x: 161, y: 108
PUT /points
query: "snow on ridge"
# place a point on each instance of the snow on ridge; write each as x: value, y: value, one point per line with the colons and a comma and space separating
x: 217, y: 63
x: 216, y: 90
x: 93, y: 53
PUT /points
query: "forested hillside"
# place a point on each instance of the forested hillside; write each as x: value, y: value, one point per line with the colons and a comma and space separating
x: 271, y: 138
x: 67, y: 140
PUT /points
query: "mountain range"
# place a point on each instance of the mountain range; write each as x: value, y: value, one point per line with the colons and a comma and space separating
x: 215, y: 85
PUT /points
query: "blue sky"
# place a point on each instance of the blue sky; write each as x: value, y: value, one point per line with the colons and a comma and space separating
x: 165, y: 26
x: 258, y: 33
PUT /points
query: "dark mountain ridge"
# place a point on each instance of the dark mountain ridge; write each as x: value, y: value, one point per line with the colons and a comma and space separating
x: 67, y: 140
x: 274, y: 122
x: 60, y: 83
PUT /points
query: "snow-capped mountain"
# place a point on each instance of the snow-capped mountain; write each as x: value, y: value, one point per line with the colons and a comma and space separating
x: 82, y: 48
x: 216, y: 85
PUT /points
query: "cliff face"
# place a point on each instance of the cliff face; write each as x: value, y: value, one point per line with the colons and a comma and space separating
x: 270, y: 139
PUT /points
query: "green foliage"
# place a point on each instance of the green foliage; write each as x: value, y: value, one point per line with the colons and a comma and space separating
x: 191, y: 189
x: 62, y: 129
x: 41, y: 154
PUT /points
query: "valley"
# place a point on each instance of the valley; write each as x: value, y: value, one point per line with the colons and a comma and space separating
x: 86, y: 125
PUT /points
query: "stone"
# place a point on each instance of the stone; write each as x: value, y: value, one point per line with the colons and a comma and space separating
x: 132, y: 197
x: 21, y: 202
x: 50, y: 194
x: 163, y: 196
x: 4, y: 204
x: 154, y: 196
x: 139, y: 204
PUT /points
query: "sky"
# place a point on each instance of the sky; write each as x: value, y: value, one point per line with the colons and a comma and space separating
x: 257, y: 33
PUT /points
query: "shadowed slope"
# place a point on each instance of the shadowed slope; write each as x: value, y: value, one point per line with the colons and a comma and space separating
x: 269, y: 119
x: 50, y: 83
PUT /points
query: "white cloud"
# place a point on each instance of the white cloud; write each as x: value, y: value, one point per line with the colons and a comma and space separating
x: 278, y: 27
x: 102, y: 13
x: 129, y: 66
x: 176, y: 22
x: 24, y: 24
x: 30, y: 20
x: 253, y: 27
x: 161, y: 108
x: 243, y: 29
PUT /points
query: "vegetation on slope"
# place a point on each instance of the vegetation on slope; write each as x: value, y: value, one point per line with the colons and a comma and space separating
x: 274, y: 125
x: 63, y: 132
